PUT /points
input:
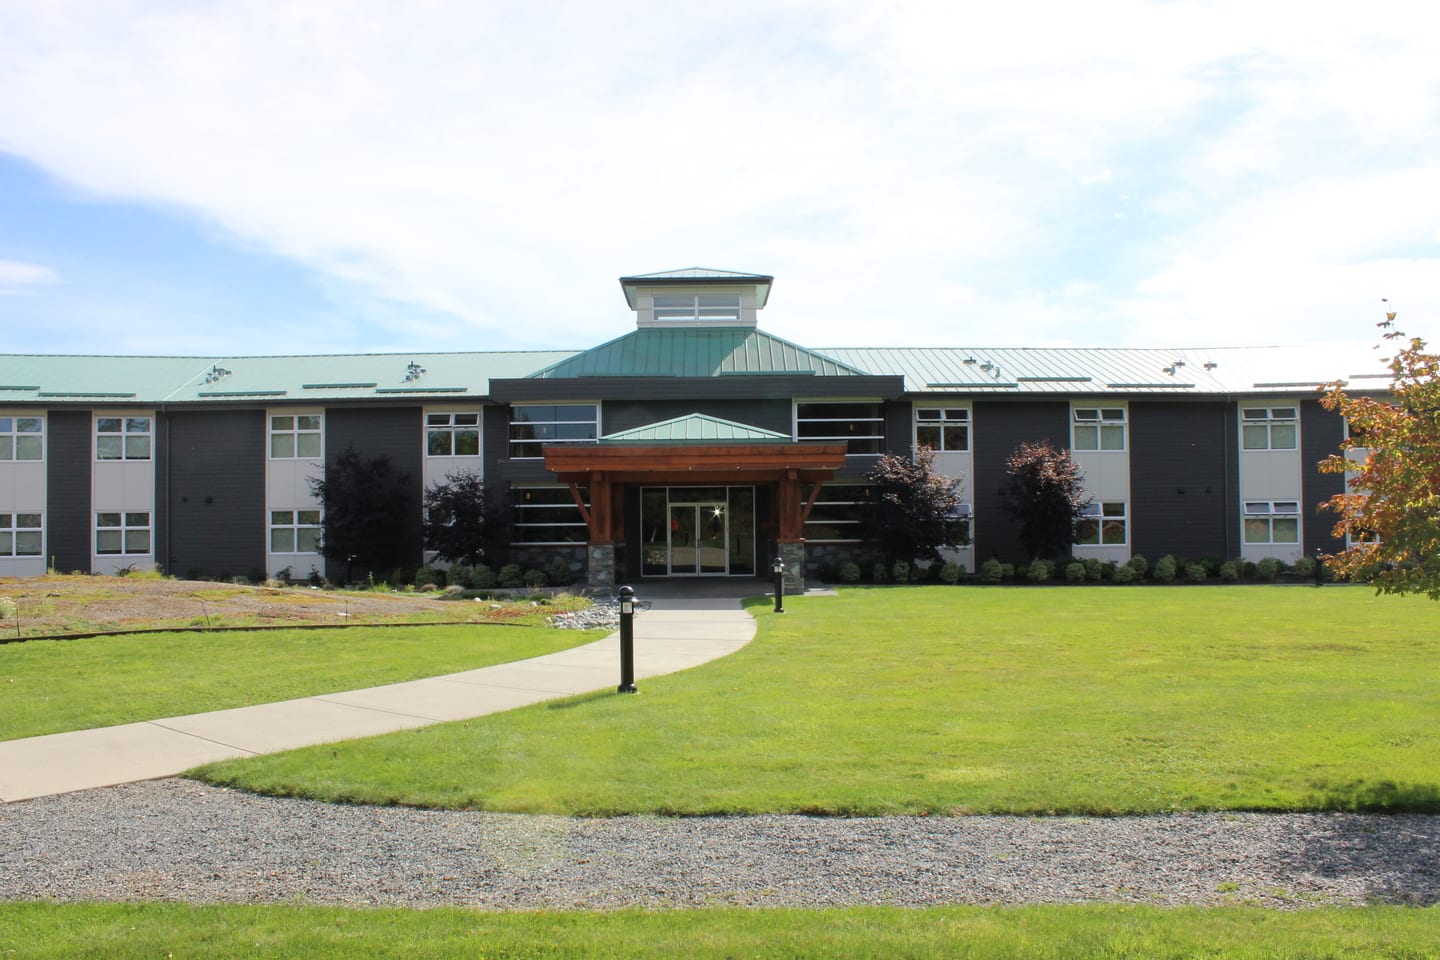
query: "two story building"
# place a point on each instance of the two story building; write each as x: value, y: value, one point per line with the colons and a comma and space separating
x: 693, y: 444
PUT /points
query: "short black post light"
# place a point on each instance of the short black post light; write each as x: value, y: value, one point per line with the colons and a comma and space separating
x: 778, y: 568
x: 627, y: 640
x: 1319, y: 566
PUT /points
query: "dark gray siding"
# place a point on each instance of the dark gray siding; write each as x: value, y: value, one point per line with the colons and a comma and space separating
x: 1320, y: 434
x: 1183, y: 474
x: 394, y: 432
x: 67, y: 496
x: 211, y: 481
x: 898, y: 432
x: 997, y: 429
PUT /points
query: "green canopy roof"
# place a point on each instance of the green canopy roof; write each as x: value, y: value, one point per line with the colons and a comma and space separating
x: 725, y: 351
x: 696, y: 428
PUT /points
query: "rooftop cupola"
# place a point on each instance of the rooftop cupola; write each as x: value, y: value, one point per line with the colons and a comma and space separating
x: 696, y: 297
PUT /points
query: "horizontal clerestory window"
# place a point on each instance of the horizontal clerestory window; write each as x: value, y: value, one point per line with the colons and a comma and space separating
x: 839, y: 513
x: 533, y: 425
x: 547, y: 515
x: 859, y: 425
x: 702, y: 308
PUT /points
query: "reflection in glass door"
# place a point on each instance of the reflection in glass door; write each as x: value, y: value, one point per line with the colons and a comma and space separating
x: 697, y: 531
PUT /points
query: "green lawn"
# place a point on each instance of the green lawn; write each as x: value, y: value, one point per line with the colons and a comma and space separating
x: 30, y: 931
x: 942, y: 700
x: 51, y: 686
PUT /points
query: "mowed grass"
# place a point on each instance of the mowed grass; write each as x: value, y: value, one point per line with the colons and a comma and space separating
x: 52, y: 686
x: 133, y: 931
x: 962, y: 700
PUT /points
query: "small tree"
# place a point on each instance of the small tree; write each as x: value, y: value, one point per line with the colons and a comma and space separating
x: 1043, y: 490
x: 1391, y: 514
x: 916, y: 511
x: 364, y: 520
x: 455, y: 519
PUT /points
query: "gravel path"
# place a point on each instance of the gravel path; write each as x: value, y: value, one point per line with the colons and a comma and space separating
x: 178, y: 840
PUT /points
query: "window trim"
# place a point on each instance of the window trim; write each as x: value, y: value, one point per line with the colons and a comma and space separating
x: 512, y: 442
x: 942, y: 423
x: 453, y: 428
x: 12, y: 530
x: 1270, y: 421
x: 1099, y: 422
x: 1269, y: 511
x: 15, y: 435
x: 294, y: 432
x: 124, y: 434
x: 124, y: 526
x: 1095, y: 511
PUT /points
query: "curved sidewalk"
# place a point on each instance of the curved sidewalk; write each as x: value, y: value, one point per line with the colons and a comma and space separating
x: 680, y: 631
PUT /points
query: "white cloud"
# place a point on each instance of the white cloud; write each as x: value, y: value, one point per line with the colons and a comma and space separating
x: 908, y: 173
x: 17, y: 276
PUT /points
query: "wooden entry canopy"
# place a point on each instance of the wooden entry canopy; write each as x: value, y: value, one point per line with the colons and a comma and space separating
x: 793, y: 467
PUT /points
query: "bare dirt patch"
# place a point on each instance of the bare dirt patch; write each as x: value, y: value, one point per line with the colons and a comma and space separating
x: 64, y: 604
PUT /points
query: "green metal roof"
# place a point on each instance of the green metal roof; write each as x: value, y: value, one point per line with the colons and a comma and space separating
x: 151, y: 380
x: 696, y: 428
x: 665, y: 352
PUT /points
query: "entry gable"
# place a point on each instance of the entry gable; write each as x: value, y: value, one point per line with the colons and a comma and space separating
x: 695, y: 428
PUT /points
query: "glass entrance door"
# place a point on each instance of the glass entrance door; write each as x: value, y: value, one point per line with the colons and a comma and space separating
x: 697, y: 531
x: 697, y: 539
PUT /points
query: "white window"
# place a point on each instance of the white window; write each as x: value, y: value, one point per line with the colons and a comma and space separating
x: 296, y: 437
x: 294, y: 531
x: 122, y: 534
x: 547, y: 515
x: 22, y: 438
x: 1272, y: 521
x: 943, y: 429
x: 533, y: 425
x: 839, y: 513
x: 122, y: 438
x: 858, y: 424
x: 20, y: 535
x: 452, y: 434
x: 1098, y: 428
x: 703, y: 307
x: 1102, y: 524
x: 1268, y: 428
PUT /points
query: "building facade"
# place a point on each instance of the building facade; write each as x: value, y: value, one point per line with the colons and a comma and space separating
x: 695, y: 444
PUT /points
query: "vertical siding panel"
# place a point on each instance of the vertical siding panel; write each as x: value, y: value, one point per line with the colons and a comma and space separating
x: 1182, y: 493
x: 997, y: 429
x: 394, y: 432
x: 68, y: 464
x: 214, y: 500
x: 1320, y: 434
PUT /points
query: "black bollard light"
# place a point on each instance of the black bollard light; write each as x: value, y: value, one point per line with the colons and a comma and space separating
x: 1319, y: 566
x: 778, y: 568
x: 627, y: 640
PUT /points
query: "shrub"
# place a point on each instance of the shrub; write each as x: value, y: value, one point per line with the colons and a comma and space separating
x: 510, y: 576
x: 1075, y: 571
x: 992, y: 571
x: 457, y: 576
x: 1196, y: 572
x: 1139, y: 564
x: 879, y: 573
x: 1247, y: 569
x: 1094, y: 569
x: 950, y: 572
x: 900, y: 571
x: 429, y: 577
x: 558, y: 574
x: 482, y: 577
x: 1267, y: 568
x: 850, y: 572
x: 1125, y: 574
x: 534, y: 579
x: 1228, y: 571
x: 1007, y: 570
x: 1305, y: 567
x: 1212, y: 565
x: 1164, y: 570
x: 1040, y: 571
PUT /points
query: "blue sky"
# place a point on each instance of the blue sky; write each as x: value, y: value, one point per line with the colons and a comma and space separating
x: 231, y: 178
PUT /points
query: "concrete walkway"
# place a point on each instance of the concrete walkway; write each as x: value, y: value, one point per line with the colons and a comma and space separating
x: 687, y: 625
